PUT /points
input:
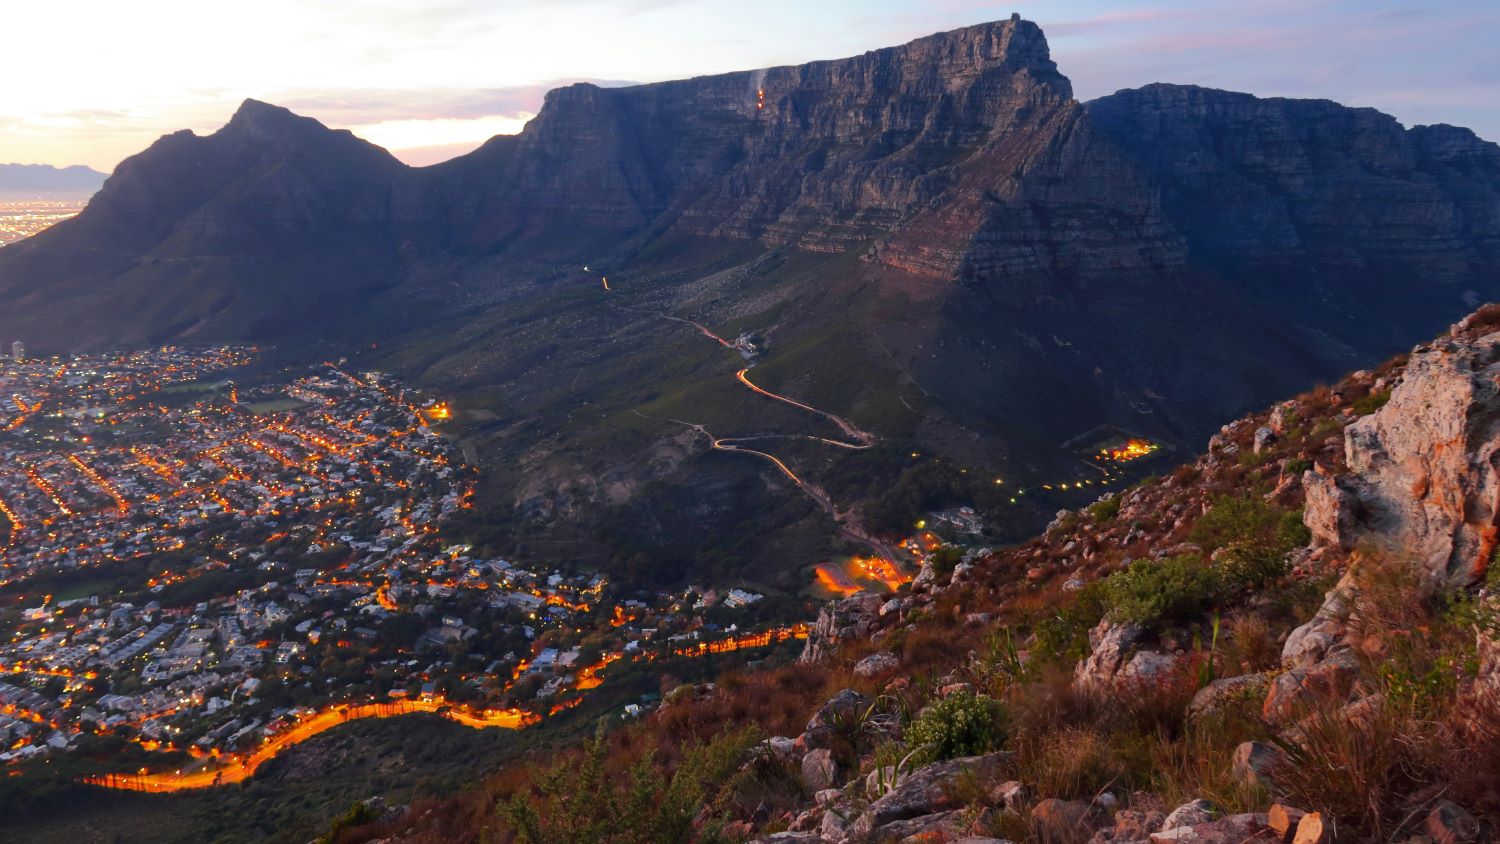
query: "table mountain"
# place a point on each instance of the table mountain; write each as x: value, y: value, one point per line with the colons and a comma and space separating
x: 935, y: 241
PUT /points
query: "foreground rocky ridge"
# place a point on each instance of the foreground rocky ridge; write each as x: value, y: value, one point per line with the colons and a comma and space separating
x: 1263, y: 710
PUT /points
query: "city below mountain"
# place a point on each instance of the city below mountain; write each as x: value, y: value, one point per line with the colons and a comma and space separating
x: 843, y: 354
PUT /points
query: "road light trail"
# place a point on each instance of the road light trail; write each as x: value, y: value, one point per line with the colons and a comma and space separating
x: 48, y: 490
x: 16, y: 525
x: 866, y: 438
x: 242, y: 768
x: 863, y: 440
x: 87, y: 471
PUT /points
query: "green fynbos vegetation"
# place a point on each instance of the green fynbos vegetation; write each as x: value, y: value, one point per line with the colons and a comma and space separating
x: 961, y: 724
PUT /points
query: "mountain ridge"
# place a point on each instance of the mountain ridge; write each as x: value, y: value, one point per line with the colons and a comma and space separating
x: 23, y: 181
x: 941, y: 244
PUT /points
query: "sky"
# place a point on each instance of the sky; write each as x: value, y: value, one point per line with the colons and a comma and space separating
x: 93, y: 81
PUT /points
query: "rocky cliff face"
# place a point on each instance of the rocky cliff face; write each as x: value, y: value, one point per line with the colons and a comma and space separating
x: 943, y: 150
x: 1310, y: 201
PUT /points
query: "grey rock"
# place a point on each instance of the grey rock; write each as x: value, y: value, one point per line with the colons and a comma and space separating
x: 1264, y: 438
x: 819, y: 770
x: 1234, y: 829
x: 925, y: 791
x: 876, y: 665
x: 1423, y: 483
x: 1212, y: 698
x: 1450, y: 823
x: 1254, y: 764
x: 922, y: 827
x: 1111, y: 647
x: 1190, y: 814
x: 838, y: 621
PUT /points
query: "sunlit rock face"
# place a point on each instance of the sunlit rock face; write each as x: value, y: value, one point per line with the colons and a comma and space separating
x: 1424, y: 485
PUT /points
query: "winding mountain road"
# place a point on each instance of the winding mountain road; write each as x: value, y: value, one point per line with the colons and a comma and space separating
x: 846, y: 522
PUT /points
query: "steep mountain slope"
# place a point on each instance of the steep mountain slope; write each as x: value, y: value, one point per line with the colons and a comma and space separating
x: 207, y: 238
x: 917, y: 145
x: 934, y: 241
x: 1296, y: 636
x: 1340, y: 215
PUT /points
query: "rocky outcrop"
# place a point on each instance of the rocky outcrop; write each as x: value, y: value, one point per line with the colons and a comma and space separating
x: 1111, y: 646
x: 1117, y: 661
x: 1223, y: 693
x: 854, y: 617
x: 1424, y: 470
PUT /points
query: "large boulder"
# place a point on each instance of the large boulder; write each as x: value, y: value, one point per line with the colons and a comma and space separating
x: 1424, y: 480
x: 1193, y: 813
x: 1254, y: 765
x: 939, y: 826
x: 820, y: 770
x: 876, y: 664
x: 1296, y: 692
x: 844, y: 707
x: 1330, y: 509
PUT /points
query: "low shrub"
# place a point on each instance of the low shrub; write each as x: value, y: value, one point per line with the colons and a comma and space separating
x: 581, y: 800
x: 1150, y: 593
x: 1251, y: 521
x: 1104, y: 511
x: 1371, y: 403
x: 1062, y: 635
x: 945, y: 559
x: 1248, y: 568
x: 961, y: 724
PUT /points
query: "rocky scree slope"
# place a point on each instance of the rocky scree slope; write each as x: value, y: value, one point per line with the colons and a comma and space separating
x: 1293, y: 638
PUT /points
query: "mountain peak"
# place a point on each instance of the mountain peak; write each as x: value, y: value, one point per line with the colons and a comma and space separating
x: 261, y: 119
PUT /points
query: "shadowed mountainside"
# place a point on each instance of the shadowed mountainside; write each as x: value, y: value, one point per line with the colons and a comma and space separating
x: 935, y: 241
